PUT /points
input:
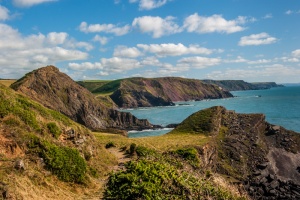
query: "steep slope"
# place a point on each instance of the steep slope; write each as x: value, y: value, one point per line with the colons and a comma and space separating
x: 59, y: 92
x: 144, y: 92
x: 247, y: 149
x: 42, y: 151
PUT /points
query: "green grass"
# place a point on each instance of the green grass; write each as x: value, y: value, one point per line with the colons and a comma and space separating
x: 201, y: 122
x: 92, y: 85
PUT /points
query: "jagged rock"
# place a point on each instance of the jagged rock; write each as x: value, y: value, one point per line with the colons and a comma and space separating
x: 268, y: 164
x: 59, y: 92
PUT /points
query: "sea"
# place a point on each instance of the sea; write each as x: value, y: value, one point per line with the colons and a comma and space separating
x: 281, y: 106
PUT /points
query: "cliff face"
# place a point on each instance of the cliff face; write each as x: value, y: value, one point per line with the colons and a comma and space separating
x: 142, y: 92
x: 244, y: 147
x: 59, y: 92
x: 236, y: 85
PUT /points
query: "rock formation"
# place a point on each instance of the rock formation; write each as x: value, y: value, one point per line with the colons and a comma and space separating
x: 144, y: 92
x: 59, y: 92
x: 262, y: 157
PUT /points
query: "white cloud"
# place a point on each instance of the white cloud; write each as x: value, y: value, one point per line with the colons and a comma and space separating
x: 29, y: 3
x: 118, y: 65
x: 4, y: 13
x: 102, y: 40
x: 199, y: 62
x: 171, y: 49
x: 214, y: 23
x: 276, y: 72
x: 261, y: 61
x: 123, y: 51
x: 156, y: 26
x: 19, y: 52
x: 57, y: 38
x: 106, y: 28
x: 268, y: 16
x: 85, y: 66
x: 257, y: 39
x: 149, y: 4
x: 239, y: 59
x: 296, y: 53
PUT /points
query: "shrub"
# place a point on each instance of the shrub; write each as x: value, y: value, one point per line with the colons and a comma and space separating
x: 157, y: 180
x: 143, y: 151
x: 109, y: 145
x: 64, y: 162
x: 132, y: 148
x: 54, y: 129
x: 189, y: 154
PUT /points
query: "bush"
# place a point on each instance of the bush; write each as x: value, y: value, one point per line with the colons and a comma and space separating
x: 156, y: 180
x: 132, y: 149
x: 54, y: 129
x: 189, y: 154
x: 109, y: 145
x: 64, y: 162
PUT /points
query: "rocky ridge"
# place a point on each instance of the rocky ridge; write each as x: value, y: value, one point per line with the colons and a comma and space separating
x: 263, y: 158
x: 144, y: 92
x: 59, y: 92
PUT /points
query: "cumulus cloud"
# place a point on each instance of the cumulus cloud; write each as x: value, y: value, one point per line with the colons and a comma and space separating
x: 4, y: 13
x: 102, y: 40
x: 257, y: 39
x: 156, y: 26
x: 171, y: 49
x: 123, y: 51
x: 29, y: 3
x: 106, y: 28
x: 118, y: 65
x: 18, y: 51
x: 214, y: 23
x: 149, y: 4
x: 199, y: 62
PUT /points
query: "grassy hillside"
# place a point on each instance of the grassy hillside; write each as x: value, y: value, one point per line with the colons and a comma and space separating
x: 92, y: 85
x: 55, y: 153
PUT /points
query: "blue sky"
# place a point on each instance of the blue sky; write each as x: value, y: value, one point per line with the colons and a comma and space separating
x: 252, y: 40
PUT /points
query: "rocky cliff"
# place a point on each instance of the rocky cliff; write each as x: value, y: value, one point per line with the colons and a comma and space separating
x: 144, y: 92
x: 59, y: 92
x: 236, y: 85
x: 247, y: 150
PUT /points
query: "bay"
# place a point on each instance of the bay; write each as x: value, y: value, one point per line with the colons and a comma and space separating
x: 281, y: 106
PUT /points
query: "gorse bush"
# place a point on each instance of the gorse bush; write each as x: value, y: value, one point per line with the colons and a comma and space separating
x: 64, y: 162
x: 147, y: 179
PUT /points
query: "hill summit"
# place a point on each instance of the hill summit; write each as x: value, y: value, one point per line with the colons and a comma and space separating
x: 58, y: 91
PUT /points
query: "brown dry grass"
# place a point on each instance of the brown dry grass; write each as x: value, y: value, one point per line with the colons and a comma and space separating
x: 7, y: 82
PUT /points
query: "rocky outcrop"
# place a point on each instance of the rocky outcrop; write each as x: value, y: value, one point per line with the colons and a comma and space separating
x: 262, y: 157
x: 143, y: 92
x: 59, y: 92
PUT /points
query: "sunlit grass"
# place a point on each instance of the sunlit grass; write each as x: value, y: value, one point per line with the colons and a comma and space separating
x: 7, y: 82
x: 161, y: 143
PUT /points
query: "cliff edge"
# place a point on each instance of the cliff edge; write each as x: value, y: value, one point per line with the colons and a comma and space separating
x: 59, y: 92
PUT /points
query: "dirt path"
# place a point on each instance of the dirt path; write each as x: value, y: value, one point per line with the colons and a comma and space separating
x: 122, y: 158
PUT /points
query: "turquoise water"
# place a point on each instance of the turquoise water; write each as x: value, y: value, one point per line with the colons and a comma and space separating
x: 280, y: 105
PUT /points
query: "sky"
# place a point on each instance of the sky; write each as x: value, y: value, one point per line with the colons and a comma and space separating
x: 251, y: 40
